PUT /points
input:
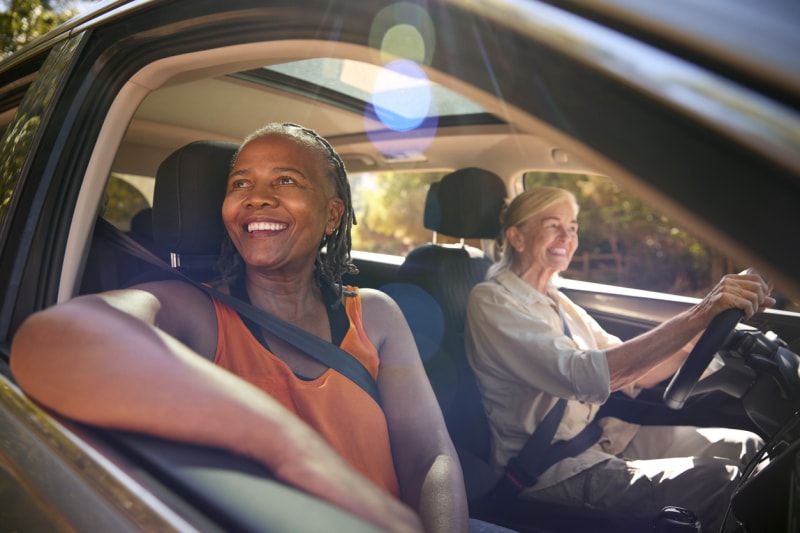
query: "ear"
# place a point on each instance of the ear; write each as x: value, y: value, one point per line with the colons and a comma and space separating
x: 335, y: 213
x: 514, y: 237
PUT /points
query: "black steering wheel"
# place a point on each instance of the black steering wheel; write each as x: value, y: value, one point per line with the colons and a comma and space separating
x: 712, y: 339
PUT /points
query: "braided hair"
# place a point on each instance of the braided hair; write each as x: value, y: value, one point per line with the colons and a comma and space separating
x: 336, y: 261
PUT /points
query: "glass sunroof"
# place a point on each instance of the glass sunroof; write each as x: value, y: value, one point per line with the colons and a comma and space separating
x: 400, y: 88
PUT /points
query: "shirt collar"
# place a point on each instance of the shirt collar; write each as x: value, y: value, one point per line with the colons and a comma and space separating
x: 523, y: 291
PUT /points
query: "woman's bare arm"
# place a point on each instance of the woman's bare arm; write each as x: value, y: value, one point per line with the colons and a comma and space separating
x: 657, y: 354
x: 428, y: 469
x: 91, y: 361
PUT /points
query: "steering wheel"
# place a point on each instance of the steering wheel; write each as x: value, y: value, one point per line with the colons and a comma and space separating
x: 710, y: 342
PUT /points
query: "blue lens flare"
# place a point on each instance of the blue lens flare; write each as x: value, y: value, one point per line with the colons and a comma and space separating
x: 402, y: 96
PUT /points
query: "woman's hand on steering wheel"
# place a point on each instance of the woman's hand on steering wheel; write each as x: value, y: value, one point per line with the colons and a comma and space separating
x: 740, y: 296
x: 687, y: 376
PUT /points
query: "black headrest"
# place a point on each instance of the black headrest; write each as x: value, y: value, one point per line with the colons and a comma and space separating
x: 187, y: 200
x: 433, y: 214
x: 466, y: 204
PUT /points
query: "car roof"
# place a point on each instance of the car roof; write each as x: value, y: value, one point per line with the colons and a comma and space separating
x: 754, y: 42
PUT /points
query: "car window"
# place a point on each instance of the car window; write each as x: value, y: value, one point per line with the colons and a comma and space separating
x: 125, y: 196
x: 389, y: 210
x: 19, y: 134
x: 624, y: 242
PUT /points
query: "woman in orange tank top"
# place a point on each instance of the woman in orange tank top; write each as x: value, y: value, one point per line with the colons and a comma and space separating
x: 287, y: 198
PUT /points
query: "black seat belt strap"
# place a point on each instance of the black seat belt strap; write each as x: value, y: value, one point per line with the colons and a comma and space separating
x: 325, y: 352
x: 321, y: 350
x: 539, y: 452
x: 523, y: 470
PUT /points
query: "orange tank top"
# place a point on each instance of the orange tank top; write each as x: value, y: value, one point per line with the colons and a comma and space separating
x: 343, y: 413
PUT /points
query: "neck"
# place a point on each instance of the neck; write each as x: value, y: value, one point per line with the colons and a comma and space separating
x: 536, y: 277
x: 288, y: 297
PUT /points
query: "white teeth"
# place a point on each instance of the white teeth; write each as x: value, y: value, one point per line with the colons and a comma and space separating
x: 264, y: 226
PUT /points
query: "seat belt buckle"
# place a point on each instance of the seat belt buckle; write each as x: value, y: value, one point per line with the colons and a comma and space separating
x: 515, y: 479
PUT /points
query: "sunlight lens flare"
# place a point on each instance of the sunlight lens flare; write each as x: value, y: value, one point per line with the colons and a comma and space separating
x: 402, y: 96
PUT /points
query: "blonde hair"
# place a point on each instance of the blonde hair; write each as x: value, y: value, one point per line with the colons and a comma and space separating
x: 524, y: 206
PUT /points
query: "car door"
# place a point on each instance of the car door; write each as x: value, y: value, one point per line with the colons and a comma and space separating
x: 55, y: 156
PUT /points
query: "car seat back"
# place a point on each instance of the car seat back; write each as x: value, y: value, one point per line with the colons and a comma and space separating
x: 465, y: 204
x: 187, y: 206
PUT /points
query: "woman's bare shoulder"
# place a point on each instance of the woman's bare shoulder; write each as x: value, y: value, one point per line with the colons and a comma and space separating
x: 170, y: 287
x: 386, y: 326
x: 185, y: 312
x: 377, y: 301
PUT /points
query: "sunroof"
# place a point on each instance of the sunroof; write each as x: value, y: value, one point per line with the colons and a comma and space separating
x: 399, y: 91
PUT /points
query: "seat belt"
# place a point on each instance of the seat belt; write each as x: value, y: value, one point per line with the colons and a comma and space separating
x: 325, y: 352
x: 539, y: 452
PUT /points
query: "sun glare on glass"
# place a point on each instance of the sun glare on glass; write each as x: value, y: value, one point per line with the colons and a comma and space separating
x: 402, y: 95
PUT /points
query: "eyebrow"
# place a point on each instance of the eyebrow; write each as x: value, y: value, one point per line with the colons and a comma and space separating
x: 292, y: 170
x: 248, y: 170
x: 545, y: 219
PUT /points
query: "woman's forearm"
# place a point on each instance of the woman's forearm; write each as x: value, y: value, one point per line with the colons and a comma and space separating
x: 655, y: 355
x: 667, y: 344
x: 95, y: 364
x: 428, y: 469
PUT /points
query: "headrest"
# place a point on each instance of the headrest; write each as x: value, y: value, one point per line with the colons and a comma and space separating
x: 187, y: 200
x: 466, y: 204
x: 433, y: 214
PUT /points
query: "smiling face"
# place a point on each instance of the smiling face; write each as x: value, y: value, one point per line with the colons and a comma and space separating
x: 545, y: 243
x: 280, y: 203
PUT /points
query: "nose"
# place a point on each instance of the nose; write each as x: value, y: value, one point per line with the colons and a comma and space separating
x: 262, y: 196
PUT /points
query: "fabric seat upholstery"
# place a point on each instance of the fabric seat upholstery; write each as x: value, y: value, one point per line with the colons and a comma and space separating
x: 187, y: 206
x: 465, y: 204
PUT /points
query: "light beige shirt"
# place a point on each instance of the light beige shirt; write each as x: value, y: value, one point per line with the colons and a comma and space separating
x: 524, y: 362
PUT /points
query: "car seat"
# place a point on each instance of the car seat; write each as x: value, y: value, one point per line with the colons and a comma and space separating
x: 183, y: 227
x: 432, y: 289
x: 142, y: 228
x: 187, y: 205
